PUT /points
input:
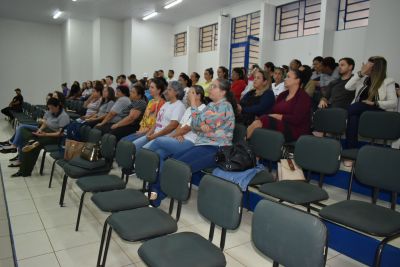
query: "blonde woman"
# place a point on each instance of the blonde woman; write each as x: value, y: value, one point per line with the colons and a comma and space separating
x: 374, y: 91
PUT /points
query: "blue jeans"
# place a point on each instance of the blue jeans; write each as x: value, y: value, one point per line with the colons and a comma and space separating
x: 166, y: 146
x: 199, y: 157
x: 18, y: 140
x: 132, y: 137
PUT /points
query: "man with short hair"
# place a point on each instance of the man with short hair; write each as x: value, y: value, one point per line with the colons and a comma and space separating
x: 295, y: 64
x: 171, y: 74
x: 317, y: 66
x: 161, y: 74
x: 132, y: 79
x: 330, y: 71
x: 15, y: 105
x: 110, y: 81
x: 335, y: 94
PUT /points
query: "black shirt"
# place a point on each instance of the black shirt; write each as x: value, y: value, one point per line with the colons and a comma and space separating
x: 19, y: 99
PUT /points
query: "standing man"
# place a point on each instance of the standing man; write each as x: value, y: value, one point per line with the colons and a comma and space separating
x: 15, y: 105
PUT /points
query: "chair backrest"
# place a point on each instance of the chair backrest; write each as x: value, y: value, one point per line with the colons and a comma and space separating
x: 289, y: 236
x: 84, y: 132
x: 267, y: 144
x: 175, y: 179
x: 330, y: 120
x: 382, y: 125
x: 147, y: 163
x: 107, y: 146
x: 377, y: 167
x: 239, y: 133
x: 125, y: 155
x: 220, y: 202
x: 94, y: 136
x: 317, y: 154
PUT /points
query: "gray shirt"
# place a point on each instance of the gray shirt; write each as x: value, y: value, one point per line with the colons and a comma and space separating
x: 56, y: 123
x: 105, y: 108
x: 326, y: 78
x: 119, y: 106
x: 337, y: 95
x: 139, y: 105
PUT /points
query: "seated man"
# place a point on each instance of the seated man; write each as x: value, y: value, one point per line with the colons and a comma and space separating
x: 53, y: 124
x: 15, y: 105
x: 335, y: 95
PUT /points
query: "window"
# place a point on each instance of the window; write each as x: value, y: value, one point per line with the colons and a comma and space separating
x: 244, y: 26
x: 352, y: 14
x: 180, y: 44
x: 297, y: 19
x: 208, y: 38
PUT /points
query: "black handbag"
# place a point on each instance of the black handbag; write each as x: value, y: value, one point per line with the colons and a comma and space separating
x: 236, y: 158
x: 90, y: 152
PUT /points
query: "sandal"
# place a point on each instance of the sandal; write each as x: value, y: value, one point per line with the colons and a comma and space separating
x: 29, y: 148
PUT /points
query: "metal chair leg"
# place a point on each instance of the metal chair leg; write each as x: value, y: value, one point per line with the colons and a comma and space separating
x: 223, y: 237
x: 78, y: 219
x: 379, y: 249
x: 350, y: 183
x: 52, y: 172
x: 103, y: 264
x: 247, y: 198
x: 42, y: 163
x: 394, y: 201
x: 375, y: 194
x: 275, y: 264
x: 63, y: 189
x: 103, y: 236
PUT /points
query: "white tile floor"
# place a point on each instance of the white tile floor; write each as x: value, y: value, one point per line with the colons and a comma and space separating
x: 44, y: 233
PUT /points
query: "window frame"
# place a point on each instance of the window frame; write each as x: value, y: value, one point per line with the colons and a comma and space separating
x: 214, y: 38
x: 251, y: 24
x: 344, y: 9
x: 176, y: 44
x: 301, y: 11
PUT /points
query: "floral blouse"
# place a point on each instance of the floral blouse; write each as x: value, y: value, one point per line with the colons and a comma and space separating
x: 150, y: 114
x: 221, y: 120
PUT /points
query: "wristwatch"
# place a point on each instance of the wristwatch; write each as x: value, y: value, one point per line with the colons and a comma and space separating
x: 360, y: 74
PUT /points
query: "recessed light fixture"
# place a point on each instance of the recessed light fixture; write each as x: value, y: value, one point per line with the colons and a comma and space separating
x: 73, y: 0
x: 57, y: 14
x: 149, y: 16
x: 173, y: 3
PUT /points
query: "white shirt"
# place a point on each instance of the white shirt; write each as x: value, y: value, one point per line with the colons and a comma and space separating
x: 187, y: 121
x: 247, y: 89
x: 169, y: 112
x: 171, y: 80
x: 278, y: 88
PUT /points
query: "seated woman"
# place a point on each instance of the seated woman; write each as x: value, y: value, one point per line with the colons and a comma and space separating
x: 374, y: 91
x: 49, y: 132
x: 75, y: 92
x: 278, y: 86
x: 186, y: 84
x: 183, y: 138
x: 213, y: 125
x: 291, y: 114
x: 107, y: 102
x: 117, y: 111
x: 168, y: 118
x: 222, y: 73
x: 92, y: 104
x: 156, y: 89
x: 132, y: 114
x: 238, y: 83
x: 258, y: 101
x: 208, y: 76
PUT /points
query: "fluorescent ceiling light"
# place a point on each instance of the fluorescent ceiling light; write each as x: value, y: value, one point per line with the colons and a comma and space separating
x: 173, y: 3
x: 57, y: 14
x: 149, y: 16
x: 73, y: 0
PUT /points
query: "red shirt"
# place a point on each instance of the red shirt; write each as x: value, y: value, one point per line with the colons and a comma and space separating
x: 296, y: 112
x: 237, y: 88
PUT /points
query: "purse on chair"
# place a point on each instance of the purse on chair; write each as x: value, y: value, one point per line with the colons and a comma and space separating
x: 236, y: 158
x: 288, y: 170
x: 72, y: 149
x: 90, y: 152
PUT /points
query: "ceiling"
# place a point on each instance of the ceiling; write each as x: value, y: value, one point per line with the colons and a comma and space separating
x: 43, y: 10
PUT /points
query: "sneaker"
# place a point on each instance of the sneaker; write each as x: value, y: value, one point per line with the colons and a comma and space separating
x: 8, y: 149
x: 14, y: 158
x: 29, y: 148
x: 153, y: 195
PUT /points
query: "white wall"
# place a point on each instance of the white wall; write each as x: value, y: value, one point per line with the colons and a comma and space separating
x: 383, y: 35
x: 152, y: 47
x: 30, y: 58
x: 78, y: 54
x: 342, y: 47
x: 107, y: 47
x: 303, y: 48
